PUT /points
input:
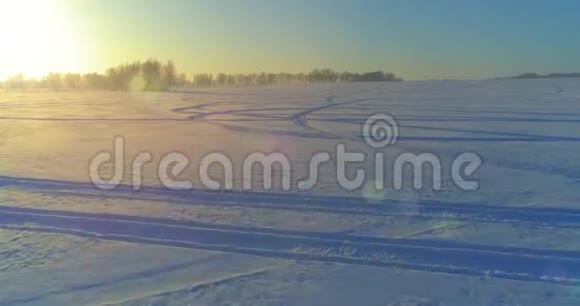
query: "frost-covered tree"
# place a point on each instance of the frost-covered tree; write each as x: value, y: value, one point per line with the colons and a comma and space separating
x: 169, y: 75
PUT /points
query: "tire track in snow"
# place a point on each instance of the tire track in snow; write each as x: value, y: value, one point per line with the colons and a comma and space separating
x: 478, y: 212
x: 300, y: 119
x: 435, y: 256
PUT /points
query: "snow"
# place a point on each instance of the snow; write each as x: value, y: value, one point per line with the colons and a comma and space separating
x: 511, y: 242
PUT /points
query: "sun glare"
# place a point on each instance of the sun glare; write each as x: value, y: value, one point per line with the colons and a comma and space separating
x: 37, y: 38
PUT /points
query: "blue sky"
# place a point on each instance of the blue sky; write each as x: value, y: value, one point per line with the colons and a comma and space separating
x: 412, y: 38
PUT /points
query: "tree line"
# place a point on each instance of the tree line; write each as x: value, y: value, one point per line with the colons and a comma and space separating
x: 547, y: 76
x: 154, y: 75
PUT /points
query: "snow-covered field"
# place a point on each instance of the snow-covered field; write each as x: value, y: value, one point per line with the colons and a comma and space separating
x: 514, y: 241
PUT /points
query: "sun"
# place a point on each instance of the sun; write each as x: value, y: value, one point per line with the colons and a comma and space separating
x: 37, y: 38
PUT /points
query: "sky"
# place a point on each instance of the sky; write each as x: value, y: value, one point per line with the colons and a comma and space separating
x: 415, y: 39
